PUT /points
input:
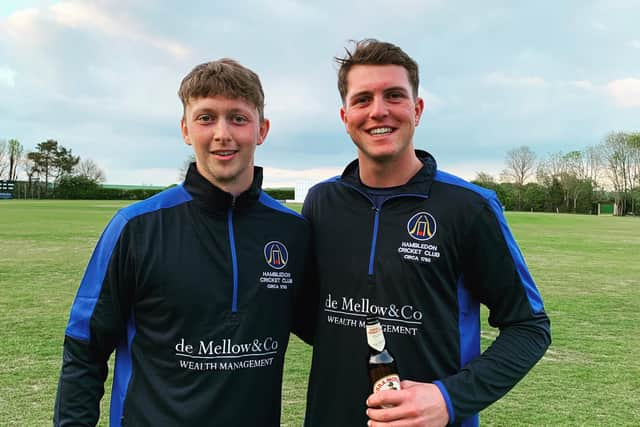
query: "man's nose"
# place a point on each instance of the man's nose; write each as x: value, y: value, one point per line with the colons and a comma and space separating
x: 221, y: 131
x: 378, y: 108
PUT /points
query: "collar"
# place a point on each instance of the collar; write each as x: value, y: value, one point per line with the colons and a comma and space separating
x: 216, y: 200
x: 420, y: 183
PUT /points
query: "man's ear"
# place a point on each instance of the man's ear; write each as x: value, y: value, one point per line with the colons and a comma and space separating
x: 343, y: 115
x: 185, y: 131
x: 264, y: 130
x: 419, y: 109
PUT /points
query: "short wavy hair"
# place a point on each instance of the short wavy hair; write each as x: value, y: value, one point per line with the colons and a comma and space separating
x: 224, y: 77
x: 375, y: 52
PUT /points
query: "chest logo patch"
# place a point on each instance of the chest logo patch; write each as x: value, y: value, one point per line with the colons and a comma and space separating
x: 276, y: 255
x: 422, y: 226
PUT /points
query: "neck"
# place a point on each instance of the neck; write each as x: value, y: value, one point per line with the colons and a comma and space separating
x: 378, y: 174
x: 235, y: 186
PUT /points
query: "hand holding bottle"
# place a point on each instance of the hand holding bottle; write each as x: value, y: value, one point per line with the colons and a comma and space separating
x: 415, y: 404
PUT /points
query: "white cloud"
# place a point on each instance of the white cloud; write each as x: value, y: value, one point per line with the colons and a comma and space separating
x: 634, y: 44
x: 500, y: 79
x: 7, y: 77
x: 625, y: 92
x: 22, y: 26
x: 88, y: 16
x: 30, y: 26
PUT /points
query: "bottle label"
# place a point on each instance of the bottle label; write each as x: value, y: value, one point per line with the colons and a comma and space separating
x: 375, y: 337
x: 390, y: 382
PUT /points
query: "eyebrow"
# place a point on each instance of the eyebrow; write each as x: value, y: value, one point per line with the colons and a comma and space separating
x: 387, y: 90
x: 207, y: 110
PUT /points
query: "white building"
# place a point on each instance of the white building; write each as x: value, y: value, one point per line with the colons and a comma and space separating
x: 301, y: 189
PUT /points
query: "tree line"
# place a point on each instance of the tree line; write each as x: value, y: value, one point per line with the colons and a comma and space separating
x: 573, y: 181
x: 558, y: 182
x: 47, y: 167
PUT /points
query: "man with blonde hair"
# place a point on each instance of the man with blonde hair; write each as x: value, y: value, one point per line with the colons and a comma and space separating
x: 194, y: 288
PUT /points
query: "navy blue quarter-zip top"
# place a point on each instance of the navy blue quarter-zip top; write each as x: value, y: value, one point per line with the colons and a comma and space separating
x: 425, y: 254
x: 180, y: 285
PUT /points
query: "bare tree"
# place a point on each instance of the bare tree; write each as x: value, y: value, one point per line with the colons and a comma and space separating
x: 520, y: 165
x: 30, y: 168
x: 573, y: 171
x: 15, y: 150
x: 622, y: 158
x: 87, y: 168
x: 593, y: 164
x: 484, y: 179
x: 4, y: 165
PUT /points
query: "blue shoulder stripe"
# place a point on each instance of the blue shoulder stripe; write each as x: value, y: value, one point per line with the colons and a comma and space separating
x: 535, y: 300
x: 326, y: 181
x: 272, y: 203
x: 122, y: 373
x: 91, y: 284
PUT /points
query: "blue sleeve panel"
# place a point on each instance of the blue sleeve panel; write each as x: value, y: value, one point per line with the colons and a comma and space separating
x: 121, y: 374
x: 495, y: 274
x: 91, y: 284
x: 90, y: 339
x: 532, y: 292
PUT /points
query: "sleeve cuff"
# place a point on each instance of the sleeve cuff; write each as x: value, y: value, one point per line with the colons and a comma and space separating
x: 447, y: 400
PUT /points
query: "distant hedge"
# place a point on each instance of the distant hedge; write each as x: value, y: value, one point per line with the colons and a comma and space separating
x: 280, y: 193
x: 78, y: 187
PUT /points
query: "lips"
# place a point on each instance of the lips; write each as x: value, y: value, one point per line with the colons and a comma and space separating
x: 224, y: 153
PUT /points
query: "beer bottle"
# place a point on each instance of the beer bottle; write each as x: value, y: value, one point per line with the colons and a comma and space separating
x: 383, y: 373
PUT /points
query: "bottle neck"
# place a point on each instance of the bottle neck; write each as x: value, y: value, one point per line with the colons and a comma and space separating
x: 375, y: 336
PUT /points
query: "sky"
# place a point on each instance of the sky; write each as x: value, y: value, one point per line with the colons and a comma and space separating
x: 101, y: 76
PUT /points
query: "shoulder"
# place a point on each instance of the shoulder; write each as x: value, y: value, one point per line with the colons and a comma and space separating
x: 463, y: 192
x: 322, y: 187
x: 278, y: 207
x: 455, y: 182
x: 168, y: 198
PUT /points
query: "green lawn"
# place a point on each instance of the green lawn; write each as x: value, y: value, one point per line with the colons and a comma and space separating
x: 587, y: 269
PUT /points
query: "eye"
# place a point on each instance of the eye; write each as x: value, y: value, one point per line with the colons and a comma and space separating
x: 239, y: 119
x: 204, y: 118
x: 395, y: 95
x: 359, y: 100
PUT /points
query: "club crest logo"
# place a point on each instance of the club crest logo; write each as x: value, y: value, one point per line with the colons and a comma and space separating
x: 422, y: 226
x: 276, y: 255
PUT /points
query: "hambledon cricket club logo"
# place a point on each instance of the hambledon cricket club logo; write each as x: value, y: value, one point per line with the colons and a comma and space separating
x: 422, y: 226
x: 276, y: 255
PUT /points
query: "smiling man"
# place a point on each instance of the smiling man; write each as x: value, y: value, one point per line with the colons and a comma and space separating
x: 194, y: 288
x: 396, y: 237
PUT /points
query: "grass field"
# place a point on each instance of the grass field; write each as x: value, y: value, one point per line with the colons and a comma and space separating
x: 587, y: 269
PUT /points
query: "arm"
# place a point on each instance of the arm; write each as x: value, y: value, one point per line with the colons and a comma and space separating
x: 96, y: 324
x: 496, y: 275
